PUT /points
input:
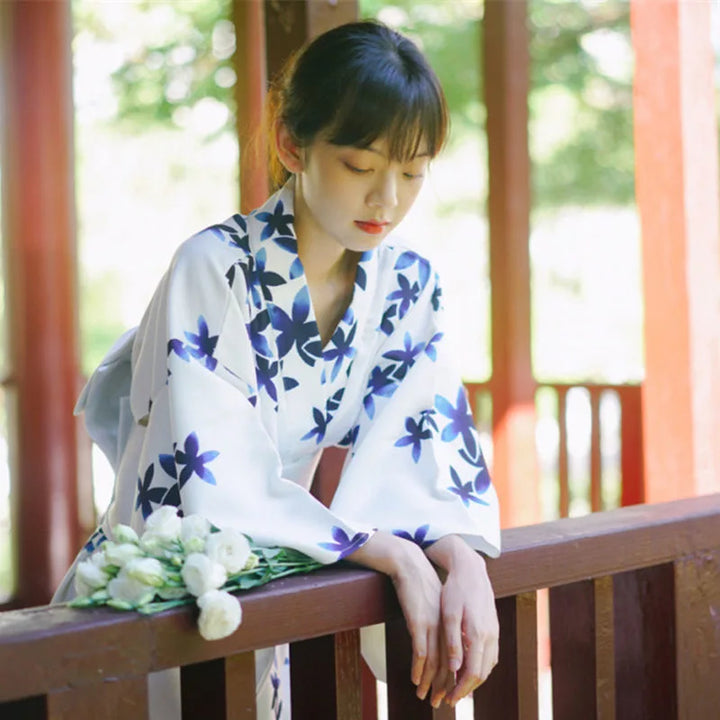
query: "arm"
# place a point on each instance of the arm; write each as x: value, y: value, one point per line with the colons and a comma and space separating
x: 469, y: 620
x: 418, y: 589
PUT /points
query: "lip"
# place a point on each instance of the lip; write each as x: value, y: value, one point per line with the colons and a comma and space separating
x: 371, y: 227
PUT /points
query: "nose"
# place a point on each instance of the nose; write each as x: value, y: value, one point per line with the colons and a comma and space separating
x: 384, y: 191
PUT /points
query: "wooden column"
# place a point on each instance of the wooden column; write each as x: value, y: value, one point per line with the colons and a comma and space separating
x: 289, y: 24
x: 506, y: 81
x: 676, y: 165
x: 39, y: 244
x: 250, y: 68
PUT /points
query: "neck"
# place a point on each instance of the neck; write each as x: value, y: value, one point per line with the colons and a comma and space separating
x: 323, y: 259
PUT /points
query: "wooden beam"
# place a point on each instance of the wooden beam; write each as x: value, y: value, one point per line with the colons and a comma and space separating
x: 676, y: 165
x: 506, y: 81
x: 39, y: 241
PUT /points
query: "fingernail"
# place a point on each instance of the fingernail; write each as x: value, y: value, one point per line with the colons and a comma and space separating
x: 454, y: 665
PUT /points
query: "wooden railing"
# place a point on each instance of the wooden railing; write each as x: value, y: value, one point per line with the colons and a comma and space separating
x: 630, y: 442
x: 635, y: 633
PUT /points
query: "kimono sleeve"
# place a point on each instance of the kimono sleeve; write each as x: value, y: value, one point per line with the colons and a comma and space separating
x: 416, y: 468
x: 208, y: 445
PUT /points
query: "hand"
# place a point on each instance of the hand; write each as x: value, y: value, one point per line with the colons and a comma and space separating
x: 418, y: 589
x: 470, y: 627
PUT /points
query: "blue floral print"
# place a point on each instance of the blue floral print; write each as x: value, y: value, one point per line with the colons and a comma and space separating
x: 380, y: 383
x: 465, y: 491
x: 147, y: 494
x: 190, y: 460
x: 407, y: 294
x: 296, y: 330
x: 95, y: 540
x: 419, y: 537
x: 406, y: 356
x: 343, y: 348
x: 430, y: 349
x: 417, y: 432
x: 409, y: 258
x: 461, y: 420
x: 276, y: 222
x: 343, y: 544
x: 265, y: 371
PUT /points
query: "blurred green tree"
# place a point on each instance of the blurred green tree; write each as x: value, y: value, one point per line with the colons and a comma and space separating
x: 580, y: 101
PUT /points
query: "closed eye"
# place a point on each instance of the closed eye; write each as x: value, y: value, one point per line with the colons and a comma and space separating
x: 357, y: 170
x: 413, y: 176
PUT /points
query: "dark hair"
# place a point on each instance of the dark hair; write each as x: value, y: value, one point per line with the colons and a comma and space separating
x: 354, y: 84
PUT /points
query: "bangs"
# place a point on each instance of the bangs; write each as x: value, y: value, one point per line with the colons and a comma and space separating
x: 410, y: 113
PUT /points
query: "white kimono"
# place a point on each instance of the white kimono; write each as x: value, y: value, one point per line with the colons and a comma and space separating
x: 222, y: 401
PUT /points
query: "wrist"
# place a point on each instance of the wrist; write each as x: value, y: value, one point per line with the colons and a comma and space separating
x: 451, y: 553
x: 387, y: 554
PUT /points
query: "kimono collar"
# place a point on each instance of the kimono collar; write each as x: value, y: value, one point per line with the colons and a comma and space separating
x: 280, y: 273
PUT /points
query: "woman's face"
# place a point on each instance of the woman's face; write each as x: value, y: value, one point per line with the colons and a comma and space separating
x: 351, y: 198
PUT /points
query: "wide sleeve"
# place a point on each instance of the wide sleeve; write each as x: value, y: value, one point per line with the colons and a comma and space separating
x: 207, y: 444
x: 415, y: 467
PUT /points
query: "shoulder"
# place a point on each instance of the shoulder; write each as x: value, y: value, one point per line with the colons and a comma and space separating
x: 397, y: 260
x: 213, y: 252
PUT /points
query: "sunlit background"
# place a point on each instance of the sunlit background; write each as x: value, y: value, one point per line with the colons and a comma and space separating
x: 157, y: 160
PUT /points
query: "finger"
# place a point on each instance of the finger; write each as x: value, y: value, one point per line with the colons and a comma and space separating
x: 444, y: 680
x: 470, y: 675
x: 452, y: 630
x: 419, y: 643
x: 431, y: 664
x: 490, y: 657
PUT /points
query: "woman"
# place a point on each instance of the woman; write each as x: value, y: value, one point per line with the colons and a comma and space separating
x: 297, y: 327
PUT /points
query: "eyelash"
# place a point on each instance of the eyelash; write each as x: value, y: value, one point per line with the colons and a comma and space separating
x: 363, y: 171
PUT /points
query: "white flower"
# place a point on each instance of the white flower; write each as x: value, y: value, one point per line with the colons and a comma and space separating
x: 120, y: 554
x: 125, y: 534
x: 194, y: 529
x: 162, y: 526
x: 129, y: 589
x: 89, y: 577
x: 220, y: 614
x: 230, y: 548
x: 201, y: 574
x: 146, y: 570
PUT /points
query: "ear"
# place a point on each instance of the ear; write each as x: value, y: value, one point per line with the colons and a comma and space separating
x: 289, y: 153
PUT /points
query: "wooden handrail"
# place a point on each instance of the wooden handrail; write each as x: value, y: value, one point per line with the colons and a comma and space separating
x: 48, y: 650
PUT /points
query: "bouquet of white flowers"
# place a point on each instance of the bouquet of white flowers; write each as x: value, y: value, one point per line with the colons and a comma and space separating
x: 180, y: 560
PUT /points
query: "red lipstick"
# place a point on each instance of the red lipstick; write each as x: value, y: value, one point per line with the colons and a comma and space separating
x: 371, y: 227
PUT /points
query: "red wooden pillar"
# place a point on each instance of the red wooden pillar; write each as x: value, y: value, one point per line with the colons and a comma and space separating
x: 39, y: 240
x: 250, y: 67
x: 676, y: 158
x: 506, y: 80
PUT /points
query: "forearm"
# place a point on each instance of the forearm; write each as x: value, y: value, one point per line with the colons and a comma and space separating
x: 388, y: 554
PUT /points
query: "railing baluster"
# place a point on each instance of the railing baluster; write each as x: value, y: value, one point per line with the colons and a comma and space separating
x: 348, y: 680
x: 572, y: 637
x: 111, y: 699
x: 595, y: 456
x: 645, y: 644
x: 312, y: 666
x: 563, y: 452
x: 219, y: 689
x: 402, y: 701
x: 511, y: 690
x: 604, y: 649
x: 631, y: 444
x: 697, y: 610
